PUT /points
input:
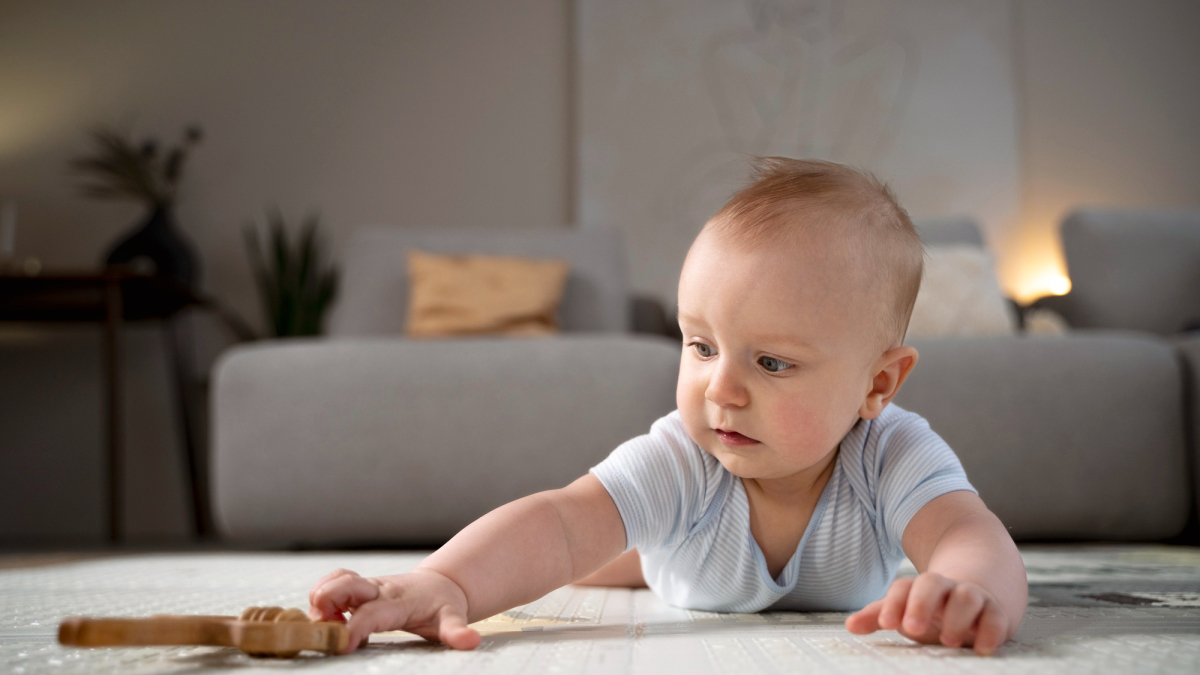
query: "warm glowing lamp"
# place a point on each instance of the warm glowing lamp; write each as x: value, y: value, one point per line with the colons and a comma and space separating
x: 1041, y: 283
x: 1058, y: 283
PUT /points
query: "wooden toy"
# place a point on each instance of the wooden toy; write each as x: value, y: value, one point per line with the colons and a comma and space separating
x: 259, y: 631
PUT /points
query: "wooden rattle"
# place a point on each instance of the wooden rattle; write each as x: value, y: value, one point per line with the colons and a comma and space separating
x: 259, y: 631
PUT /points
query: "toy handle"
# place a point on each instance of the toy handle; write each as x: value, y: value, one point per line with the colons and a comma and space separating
x: 284, y: 635
x: 78, y: 631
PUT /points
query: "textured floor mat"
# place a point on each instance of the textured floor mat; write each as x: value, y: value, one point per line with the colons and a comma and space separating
x: 1092, y: 609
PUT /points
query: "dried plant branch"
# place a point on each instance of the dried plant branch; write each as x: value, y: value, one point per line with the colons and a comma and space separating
x: 119, y: 168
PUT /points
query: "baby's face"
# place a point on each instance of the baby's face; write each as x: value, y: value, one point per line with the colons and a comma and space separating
x: 779, y: 348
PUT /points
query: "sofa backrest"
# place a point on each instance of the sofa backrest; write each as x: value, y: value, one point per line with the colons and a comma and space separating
x: 950, y: 230
x: 1136, y: 270
x: 1065, y: 438
x: 373, y: 297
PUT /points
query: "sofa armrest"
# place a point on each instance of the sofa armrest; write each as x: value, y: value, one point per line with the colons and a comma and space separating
x: 1188, y: 348
x: 405, y: 441
x: 1078, y: 437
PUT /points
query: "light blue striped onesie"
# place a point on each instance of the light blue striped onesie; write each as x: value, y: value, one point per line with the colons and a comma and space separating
x: 690, y: 521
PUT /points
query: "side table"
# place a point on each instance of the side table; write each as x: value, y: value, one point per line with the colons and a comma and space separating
x: 110, y: 298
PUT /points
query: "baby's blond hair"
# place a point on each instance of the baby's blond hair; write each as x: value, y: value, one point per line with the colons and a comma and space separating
x: 789, y: 198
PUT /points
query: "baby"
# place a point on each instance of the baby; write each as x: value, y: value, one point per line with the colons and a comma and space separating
x: 786, y: 479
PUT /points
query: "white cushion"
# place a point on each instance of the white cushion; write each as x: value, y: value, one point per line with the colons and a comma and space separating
x: 960, y: 295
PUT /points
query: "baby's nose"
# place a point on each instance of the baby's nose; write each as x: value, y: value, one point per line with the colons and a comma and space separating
x: 725, y: 389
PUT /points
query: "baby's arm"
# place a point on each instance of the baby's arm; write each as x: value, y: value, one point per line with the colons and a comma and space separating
x: 511, y: 556
x: 624, y: 571
x: 971, y: 588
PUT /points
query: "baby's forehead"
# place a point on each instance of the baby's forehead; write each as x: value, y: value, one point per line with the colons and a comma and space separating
x: 820, y: 241
x: 826, y: 274
x: 824, y: 267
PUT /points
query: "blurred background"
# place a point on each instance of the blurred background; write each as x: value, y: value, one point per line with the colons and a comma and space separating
x: 551, y: 115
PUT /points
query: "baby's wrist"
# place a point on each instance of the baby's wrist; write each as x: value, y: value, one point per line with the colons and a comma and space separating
x: 440, y: 580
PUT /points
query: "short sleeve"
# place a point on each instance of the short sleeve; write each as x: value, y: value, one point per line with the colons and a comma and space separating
x: 916, y: 467
x: 659, y: 482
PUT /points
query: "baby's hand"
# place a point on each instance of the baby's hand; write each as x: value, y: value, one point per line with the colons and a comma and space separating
x: 931, y: 609
x: 423, y: 602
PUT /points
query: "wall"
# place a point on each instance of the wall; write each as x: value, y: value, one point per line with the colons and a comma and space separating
x: 1110, y: 116
x: 920, y: 93
x: 439, y: 113
x: 428, y: 113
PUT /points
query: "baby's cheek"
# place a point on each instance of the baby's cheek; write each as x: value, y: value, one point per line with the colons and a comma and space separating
x: 690, y: 387
x: 805, y: 429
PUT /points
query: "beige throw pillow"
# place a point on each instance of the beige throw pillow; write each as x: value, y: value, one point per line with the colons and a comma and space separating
x: 477, y: 294
x: 960, y: 295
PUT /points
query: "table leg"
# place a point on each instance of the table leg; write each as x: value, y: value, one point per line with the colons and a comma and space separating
x: 179, y: 347
x: 113, y: 313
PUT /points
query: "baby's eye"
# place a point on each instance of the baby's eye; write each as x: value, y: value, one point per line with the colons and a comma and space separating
x: 773, y: 365
x: 703, y: 350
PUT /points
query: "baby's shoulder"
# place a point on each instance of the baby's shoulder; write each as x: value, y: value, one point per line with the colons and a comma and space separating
x: 897, y: 437
x: 663, y: 481
x: 669, y: 441
x: 894, y: 426
x: 895, y: 416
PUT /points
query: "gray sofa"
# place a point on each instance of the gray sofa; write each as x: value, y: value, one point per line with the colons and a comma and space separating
x: 370, y: 437
x: 367, y: 437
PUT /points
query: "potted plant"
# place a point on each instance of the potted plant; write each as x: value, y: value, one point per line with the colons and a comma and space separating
x: 121, y: 169
x: 296, y: 286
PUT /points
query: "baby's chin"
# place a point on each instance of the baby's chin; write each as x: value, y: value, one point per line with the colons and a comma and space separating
x: 756, y: 462
x: 745, y: 462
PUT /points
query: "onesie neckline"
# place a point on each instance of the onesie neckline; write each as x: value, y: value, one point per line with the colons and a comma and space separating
x: 788, y: 575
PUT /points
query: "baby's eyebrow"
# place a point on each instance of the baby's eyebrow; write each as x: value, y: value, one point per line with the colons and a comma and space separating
x: 783, y: 339
x: 773, y: 339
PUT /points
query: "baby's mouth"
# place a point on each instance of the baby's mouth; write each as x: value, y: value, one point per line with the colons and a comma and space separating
x: 734, y: 438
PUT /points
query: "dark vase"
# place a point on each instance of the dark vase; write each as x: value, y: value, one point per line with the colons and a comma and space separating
x: 160, y: 242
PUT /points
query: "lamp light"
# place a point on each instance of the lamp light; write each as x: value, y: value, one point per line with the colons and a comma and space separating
x: 1040, y: 283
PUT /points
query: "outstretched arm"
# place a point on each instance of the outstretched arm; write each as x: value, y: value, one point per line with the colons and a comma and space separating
x: 513, y: 555
x: 971, y: 589
x: 624, y: 571
x: 525, y: 549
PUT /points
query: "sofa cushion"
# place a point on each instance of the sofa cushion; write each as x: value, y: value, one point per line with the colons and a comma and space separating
x: 373, y: 294
x: 1075, y: 437
x: 1136, y: 270
x: 483, y: 294
x: 360, y: 440
x: 960, y: 295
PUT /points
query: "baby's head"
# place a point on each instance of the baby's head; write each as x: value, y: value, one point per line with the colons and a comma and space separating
x: 793, y: 303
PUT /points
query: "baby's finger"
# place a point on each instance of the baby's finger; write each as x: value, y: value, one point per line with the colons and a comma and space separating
x: 865, y: 620
x: 992, y: 631
x: 338, y: 595
x: 340, y: 572
x: 374, y: 617
x: 962, y: 609
x: 894, y: 604
x: 925, y: 601
x: 453, y: 630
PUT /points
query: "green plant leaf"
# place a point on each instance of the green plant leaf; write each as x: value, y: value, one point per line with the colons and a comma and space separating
x: 268, y: 292
x: 279, y: 246
x: 306, y: 250
x: 296, y: 291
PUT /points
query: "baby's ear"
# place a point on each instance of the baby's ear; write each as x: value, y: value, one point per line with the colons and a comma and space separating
x: 888, y: 373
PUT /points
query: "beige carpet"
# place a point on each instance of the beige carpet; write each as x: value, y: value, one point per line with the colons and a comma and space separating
x: 1093, y: 609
